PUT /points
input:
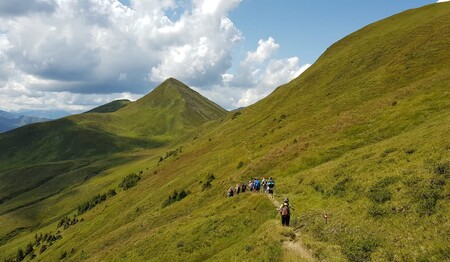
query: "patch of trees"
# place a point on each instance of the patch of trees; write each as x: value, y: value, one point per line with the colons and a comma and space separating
x: 88, y: 205
x: 40, y: 245
x: 176, y: 196
x: 171, y: 153
x: 129, y: 181
x: 66, y: 222
x: 208, y: 184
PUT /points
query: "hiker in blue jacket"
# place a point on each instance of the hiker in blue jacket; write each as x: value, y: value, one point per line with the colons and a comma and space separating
x: 270, y: 186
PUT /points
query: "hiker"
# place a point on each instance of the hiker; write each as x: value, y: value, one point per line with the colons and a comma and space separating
x: 270, y: 186
x: 257, y: 184
x: 250, y: 185
x: 243, y: 187
x: 230, y: 192
x: 237, y: 189
x: 285, y: 211
x: 264, y: 185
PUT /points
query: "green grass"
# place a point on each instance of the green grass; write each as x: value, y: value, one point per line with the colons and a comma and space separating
x: 362, y: 135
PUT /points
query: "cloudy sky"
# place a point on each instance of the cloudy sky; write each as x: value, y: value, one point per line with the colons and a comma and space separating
x: 78, y: 54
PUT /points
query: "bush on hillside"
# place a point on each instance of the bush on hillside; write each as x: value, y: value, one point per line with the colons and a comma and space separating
x: 380, y: 193
x: 426, y: 201
x: 209, y: 179
x: 129, y: 181
x: 176, y: 196
x: 376, y: 211
x: 358, y: 247
x: 66, y: 222
x: 88, y: 205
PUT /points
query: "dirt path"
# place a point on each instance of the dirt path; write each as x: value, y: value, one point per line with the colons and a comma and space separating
x: 294, y: 249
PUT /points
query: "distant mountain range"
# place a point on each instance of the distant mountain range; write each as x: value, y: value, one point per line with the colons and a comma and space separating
x: 9, y: 121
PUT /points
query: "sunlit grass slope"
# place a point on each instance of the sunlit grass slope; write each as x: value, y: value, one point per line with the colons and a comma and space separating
x: 110, y: 107
x: 362, y: 135
x: 168, y: 113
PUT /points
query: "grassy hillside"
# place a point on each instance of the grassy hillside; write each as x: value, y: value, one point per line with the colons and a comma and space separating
x: 110, y: 107
x: 362, y: 135
x: 168, y: 113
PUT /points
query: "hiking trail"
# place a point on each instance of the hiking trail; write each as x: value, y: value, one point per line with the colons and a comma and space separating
x: 295, y: 250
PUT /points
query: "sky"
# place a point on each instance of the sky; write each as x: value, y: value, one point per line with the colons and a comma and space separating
x: 75, y: 55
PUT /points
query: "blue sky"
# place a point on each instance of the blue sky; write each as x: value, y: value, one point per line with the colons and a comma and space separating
x: 306, y: 28
x: 75, y: 55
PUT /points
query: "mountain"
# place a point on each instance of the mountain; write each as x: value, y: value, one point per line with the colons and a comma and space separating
x: 171, y: 111
x: 362, y: 136
x: 110, y: 107
x: 48, y: 114
x: 10, y: 121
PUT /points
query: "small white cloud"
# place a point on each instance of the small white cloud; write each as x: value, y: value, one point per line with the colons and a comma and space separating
x: 442, y: 1
x: 257, y: 76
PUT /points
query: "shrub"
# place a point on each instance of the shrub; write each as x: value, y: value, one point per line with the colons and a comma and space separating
x: 339, y: 189
x: 29, y: 249
x: 235, y: 115
x: 241, y: 164
x: 111, y: 193
x: 209, y: 179
x: 20, y: 255
x: 129, y: 181
x: 358, y: 248
x: 379, y: 192
x: 438, y: 167
x: 88, y: 205
x: 176, y: 196
x: 427, y: 200
x: 376, y: 211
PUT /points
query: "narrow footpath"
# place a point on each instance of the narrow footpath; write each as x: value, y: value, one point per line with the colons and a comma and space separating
x: 294, y: 249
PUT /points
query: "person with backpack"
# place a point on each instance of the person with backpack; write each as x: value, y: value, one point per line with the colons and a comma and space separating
x: 257, y: 185
x: 243, y: 187
x: 264, y: 185
x: 270, y: 186
x: 285, y: 211
x: 237, y: 189
x: 230, y: 192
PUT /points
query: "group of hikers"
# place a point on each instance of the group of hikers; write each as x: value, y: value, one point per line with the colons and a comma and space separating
x: 267, y: 186
x: 254, y: 185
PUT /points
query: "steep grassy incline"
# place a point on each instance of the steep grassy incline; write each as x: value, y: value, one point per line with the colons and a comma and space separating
x: 169, y: 112
x: 363, y: 135
x: 110, y: 107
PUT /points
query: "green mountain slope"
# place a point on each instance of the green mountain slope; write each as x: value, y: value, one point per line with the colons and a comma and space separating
x: 152, y: 121
x: 362, y: 135
x: 110, y: 107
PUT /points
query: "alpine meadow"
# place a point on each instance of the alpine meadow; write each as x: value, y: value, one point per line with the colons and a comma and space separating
x: 362, y: 136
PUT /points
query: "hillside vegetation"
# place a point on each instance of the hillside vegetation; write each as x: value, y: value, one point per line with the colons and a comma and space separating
x: 362, y: 135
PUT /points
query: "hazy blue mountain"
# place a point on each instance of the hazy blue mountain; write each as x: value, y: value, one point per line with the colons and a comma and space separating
x: 9, y: 121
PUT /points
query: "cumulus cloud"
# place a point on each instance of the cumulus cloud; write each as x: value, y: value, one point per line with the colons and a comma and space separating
x: 23, y: 7
x: 259, y: 74
x: 55, y: 53
x: 441, y: 1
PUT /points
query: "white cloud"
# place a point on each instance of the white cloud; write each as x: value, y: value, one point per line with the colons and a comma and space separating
x: 259, y: 74
x: 73, y: 54
x: 441, y: 1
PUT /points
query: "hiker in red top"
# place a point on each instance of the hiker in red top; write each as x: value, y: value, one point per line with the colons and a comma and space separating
x: 285, y: 211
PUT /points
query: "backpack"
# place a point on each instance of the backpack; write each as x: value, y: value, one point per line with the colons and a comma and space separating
x: 271, y: 183
x: 285, y: 210
x: 257, y: 183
